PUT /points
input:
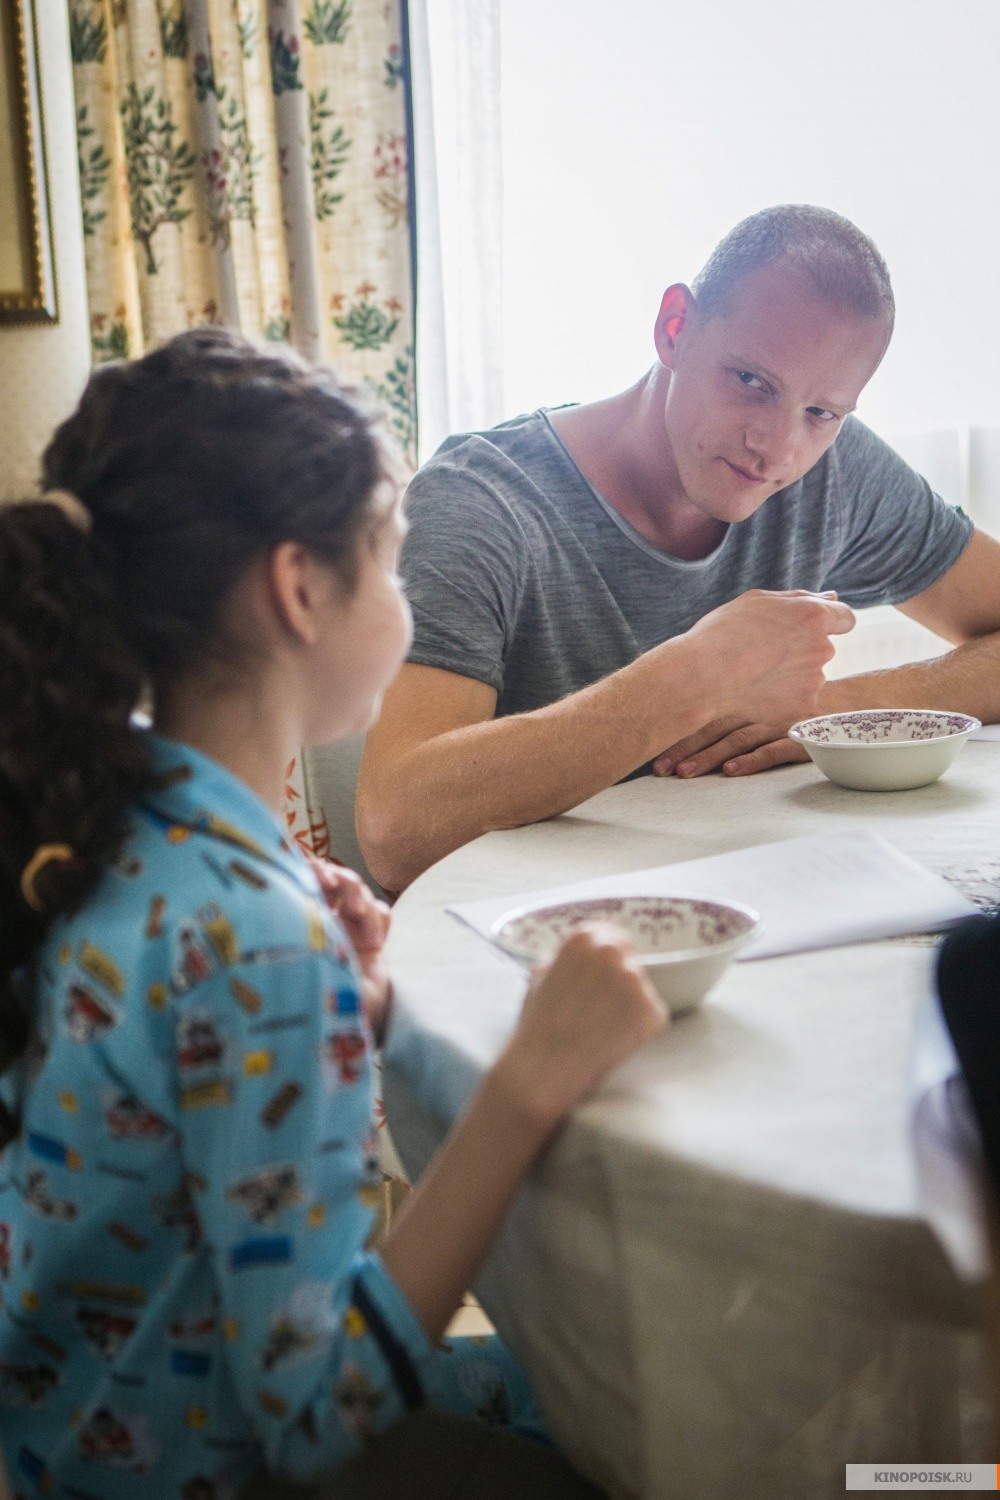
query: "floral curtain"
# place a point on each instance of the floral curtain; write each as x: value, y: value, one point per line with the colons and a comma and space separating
x: 245, y: 162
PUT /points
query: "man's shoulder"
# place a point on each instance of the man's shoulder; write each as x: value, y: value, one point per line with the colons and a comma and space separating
x: 856, y: 454
x: 512, y: 440
x: 856, y: 440
x: 511, y: 462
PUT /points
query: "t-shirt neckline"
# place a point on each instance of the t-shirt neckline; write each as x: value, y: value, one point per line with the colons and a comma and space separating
x: 665, y: 559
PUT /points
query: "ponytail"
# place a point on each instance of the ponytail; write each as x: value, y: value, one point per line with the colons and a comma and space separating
x: 70, y: 763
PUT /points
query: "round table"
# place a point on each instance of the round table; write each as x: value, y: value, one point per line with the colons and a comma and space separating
x: 718, y: 1276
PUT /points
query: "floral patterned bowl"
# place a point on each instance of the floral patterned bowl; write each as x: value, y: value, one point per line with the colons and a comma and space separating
x: 885, y: 749
x: 683, y: 942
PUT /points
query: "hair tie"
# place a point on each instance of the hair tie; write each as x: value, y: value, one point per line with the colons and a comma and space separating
x: 45, y: 854
x: 71, y: 506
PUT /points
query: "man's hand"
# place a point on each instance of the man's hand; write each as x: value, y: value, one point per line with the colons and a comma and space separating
x: 763, y: 654
x: 365, y: 920
x: 771, y: 648
x: 738, y: 748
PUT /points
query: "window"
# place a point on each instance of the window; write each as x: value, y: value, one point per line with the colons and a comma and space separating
x: 635, y: 135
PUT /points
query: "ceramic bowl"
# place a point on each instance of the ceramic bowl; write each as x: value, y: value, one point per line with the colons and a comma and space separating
x: 885, y: 749
x: 684, y: 943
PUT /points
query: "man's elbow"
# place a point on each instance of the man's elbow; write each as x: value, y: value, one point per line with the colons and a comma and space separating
x: 387, y: 832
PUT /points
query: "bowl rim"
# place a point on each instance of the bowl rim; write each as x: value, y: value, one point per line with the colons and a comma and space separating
x: 649, y: 960
x: 798, y: 731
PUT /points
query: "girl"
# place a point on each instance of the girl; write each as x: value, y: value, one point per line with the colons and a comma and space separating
x: 187, y: 1031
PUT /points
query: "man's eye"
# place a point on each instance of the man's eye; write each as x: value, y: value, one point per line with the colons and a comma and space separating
x: 822, y: 413
x: 754, y: 382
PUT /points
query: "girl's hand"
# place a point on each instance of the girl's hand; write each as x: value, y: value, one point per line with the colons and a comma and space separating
x: 365, y: 920
x: 583, y: 1015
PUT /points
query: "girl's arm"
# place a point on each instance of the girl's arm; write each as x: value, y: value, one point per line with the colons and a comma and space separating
x: 274, y: 1062
x: 325, y: 1344
x: 582, y: 1017
x: 587, y: 1014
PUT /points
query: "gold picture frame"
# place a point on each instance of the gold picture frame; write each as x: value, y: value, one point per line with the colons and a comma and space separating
x: 27, y: 275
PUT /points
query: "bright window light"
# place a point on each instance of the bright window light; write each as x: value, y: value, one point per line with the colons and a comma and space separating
x: 636, y: 134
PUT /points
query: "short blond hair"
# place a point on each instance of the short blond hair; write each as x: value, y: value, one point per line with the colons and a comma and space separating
x: 843, y: 264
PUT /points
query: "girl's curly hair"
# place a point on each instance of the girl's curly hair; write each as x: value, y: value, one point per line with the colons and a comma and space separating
x: 191, y: 462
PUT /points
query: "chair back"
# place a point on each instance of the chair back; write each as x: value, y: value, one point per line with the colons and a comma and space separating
x: 330, y: 774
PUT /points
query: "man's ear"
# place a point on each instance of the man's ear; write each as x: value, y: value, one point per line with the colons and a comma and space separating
x: 294, y: 587
x: 677, y: 306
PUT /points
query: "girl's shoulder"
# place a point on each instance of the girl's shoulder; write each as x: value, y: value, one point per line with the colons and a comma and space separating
x: 193, y: 952
x: 181, y: 906
x: 201, y: 836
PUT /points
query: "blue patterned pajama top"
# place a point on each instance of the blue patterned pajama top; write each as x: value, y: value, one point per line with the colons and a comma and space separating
x: 185, y: 1295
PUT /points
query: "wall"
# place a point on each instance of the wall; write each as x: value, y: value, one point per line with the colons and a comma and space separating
x: 43, y: 366
x: 625, y: 162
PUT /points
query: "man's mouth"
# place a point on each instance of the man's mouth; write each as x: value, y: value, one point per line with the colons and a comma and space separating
x: 745, y: 474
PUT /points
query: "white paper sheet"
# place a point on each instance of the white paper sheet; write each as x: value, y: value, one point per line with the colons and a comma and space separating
x: 988, y: 732
x: 816, y: 892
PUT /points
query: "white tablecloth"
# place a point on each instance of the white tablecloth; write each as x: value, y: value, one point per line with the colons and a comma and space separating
x: 719, y: 1277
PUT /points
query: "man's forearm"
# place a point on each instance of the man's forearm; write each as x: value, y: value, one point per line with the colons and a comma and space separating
x: 524, y: 767
x: 965, y: 680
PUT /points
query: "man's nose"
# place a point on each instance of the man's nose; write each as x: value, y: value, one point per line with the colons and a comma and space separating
x: 771, y: 438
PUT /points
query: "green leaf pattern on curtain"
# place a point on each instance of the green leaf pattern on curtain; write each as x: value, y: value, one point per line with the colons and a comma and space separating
x: 245, y: 162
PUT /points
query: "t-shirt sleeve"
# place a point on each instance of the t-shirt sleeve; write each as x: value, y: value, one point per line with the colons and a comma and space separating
x: 276, y: 1111
x: 463, y: 566
x: 898, y: 536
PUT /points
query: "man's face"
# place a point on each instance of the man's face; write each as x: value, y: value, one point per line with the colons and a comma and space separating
x: 759, y: 392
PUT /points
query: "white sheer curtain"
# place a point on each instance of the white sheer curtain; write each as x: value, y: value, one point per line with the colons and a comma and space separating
x: 455, y: 60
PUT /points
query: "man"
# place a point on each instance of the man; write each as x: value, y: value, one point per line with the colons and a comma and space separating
x: 585, y: 582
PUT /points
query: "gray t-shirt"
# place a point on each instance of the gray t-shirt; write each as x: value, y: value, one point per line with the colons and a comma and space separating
x: 522, y: 576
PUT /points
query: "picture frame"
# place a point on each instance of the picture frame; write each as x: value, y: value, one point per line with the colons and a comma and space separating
x: 27, y: 274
